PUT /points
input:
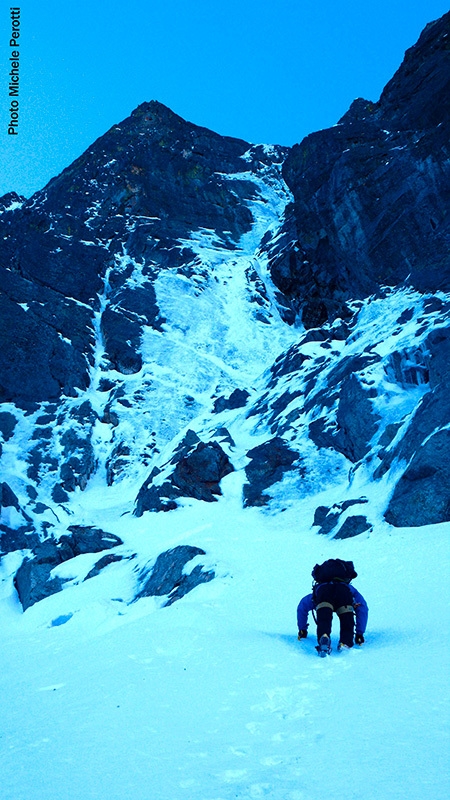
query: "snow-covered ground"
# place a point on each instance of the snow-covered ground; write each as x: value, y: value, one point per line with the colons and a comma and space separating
x: 214, y: 698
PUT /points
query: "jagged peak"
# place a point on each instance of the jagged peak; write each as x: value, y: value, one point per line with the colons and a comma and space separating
x: 161, y: 115
x: 418, y: 94
x: 157, y: 110
x: 11, y: 201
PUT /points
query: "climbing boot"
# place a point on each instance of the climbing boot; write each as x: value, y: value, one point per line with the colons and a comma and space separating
x: 324, y: 646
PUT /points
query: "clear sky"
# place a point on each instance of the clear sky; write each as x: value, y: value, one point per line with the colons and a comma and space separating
x: 269, y: 71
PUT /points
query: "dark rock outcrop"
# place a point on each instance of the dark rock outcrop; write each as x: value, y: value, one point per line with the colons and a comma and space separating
x: 237, y: 399
x: 422, y: 495
x: 46, y: 338
x: 327, y: 519
x: 197, y: 474
x: 21, y: 535
x: 10, y: 200
x: 87, y: 539
x: 22, y: 538
x: 79, y: 463
x: 355, y: 421
x: 167, y: 576
x: 268, y: 463
x: 117, y: 461
x: 33, y: 579
x: 7, y: 497
x: 353, y: 526
x: 7, y: 424
x: 111, y: 558
x: 65, y: 451
x: 33, y: 582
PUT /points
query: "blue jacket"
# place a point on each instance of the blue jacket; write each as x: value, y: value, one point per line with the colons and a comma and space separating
x: 361, y: 610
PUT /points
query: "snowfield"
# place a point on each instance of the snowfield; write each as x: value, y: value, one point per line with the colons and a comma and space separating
x: 214, y: 698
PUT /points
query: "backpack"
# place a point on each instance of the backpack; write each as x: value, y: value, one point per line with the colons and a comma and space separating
x: 334, y: 570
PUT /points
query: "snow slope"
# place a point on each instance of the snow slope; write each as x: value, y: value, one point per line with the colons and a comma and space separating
x: 214, y: 698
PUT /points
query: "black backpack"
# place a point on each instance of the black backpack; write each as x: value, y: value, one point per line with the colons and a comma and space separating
x: 334, y: 570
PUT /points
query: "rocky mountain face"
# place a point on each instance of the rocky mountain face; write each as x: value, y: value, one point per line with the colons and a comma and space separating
x: 182, y: 312
x: 371, y: 194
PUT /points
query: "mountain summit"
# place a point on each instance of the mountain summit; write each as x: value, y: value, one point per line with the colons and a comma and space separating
x: 187, y: 314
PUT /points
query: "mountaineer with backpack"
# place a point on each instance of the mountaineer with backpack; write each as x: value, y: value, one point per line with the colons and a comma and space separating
x: 332, y: 591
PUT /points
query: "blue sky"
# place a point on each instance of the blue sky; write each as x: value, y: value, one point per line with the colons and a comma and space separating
x: 262, y: 71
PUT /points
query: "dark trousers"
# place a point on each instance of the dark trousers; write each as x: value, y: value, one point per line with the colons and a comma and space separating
x: 335, y: 597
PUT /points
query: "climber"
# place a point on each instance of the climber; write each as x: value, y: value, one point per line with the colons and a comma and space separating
x: 332, y: 591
